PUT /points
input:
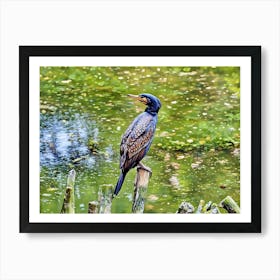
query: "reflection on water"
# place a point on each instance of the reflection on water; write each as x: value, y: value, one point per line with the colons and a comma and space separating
x: 63, y: 139
x: 195, y: 152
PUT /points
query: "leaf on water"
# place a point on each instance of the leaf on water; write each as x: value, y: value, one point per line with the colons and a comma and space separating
x: 180, y: 157
x: 236, y: 152
x: 66, y: 81
x: 164, y: 134
x: 51, y: 189
x: 196, y: 164
x: 222, y: 161
x: 175, y: 165
x: 46, y: 194
x: 167, y: 157
x: 153, y: 197
x: 174, y: 181
x: 149, y: 206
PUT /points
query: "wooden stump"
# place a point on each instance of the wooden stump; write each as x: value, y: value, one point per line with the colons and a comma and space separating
x: 230, y: 205
x: 207, y: 206
x: 68, y: 206
x: 140, y: 190
x: 185, y: 208
x: 93, y: 207
x: 200, y: 207
x: 213, y: 209
x: 105, y: 195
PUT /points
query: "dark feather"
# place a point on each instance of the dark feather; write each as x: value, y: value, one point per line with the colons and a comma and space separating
x: 119, y: 183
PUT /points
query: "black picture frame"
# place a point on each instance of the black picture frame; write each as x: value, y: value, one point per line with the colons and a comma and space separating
x: 254, y: 52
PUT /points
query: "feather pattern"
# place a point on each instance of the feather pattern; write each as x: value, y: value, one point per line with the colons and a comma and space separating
x: 137, y: 140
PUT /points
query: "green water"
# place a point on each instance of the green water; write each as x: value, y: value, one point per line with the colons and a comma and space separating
x: 194, y: 155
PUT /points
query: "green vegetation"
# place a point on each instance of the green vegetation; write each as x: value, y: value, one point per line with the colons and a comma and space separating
x: 194, y: 155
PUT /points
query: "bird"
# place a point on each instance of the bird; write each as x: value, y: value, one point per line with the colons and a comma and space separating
x: 137, y: 139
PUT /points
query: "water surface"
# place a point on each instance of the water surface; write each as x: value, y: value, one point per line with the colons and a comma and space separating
x: 195, y: 152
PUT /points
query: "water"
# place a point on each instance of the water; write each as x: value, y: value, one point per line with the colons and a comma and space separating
x: 194, y: 155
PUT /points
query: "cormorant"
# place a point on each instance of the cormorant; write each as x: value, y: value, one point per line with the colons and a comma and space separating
x: 137, y: 139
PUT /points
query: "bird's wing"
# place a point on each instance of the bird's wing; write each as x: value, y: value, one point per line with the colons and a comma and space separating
x: 135, y: 129
x: 141, y: 140
x: 137, y: 137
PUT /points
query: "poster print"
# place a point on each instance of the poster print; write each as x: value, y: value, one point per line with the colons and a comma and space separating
x: 157, y: 131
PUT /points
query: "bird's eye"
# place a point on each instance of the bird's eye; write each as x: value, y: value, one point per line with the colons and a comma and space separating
x: 145, y: 100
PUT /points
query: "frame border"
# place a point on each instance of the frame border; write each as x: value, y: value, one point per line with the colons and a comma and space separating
x: 253, y: 51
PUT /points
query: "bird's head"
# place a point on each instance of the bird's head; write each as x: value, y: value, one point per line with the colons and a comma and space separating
x: 153, y: 104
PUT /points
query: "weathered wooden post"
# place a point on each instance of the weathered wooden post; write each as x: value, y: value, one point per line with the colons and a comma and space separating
x: 68, y: 206
x: 185, y: 208
x: 105, y: 195
x: 140, y: 190
x: 200, y: 206
x: 230, y: 205
x: 93, y: 207
x: 207, y: 206
x: 213, y: 209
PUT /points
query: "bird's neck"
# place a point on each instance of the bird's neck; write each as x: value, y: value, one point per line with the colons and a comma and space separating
x: 151, y: 111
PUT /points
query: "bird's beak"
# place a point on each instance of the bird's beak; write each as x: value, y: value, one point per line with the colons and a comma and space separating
x: 139, y: 98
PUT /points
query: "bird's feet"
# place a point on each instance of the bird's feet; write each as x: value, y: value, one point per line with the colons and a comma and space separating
x: 142, y: 166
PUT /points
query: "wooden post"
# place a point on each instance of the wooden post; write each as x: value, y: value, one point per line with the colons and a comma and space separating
x: 68, y: 206
x: 230, y: 205
x: 105, y: 195
x: 185, y: 208
x: 140, y: 190
x: 213, y: 209
x: 93, y: 207
x: 207, y: 206
x: 200, y: 207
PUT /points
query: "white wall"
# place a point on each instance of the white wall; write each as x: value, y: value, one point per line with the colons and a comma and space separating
x: 138, y: 256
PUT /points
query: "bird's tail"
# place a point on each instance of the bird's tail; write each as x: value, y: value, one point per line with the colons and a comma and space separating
x: 119, y: 183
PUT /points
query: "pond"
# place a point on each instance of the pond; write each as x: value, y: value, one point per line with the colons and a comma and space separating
x: 195, y: 152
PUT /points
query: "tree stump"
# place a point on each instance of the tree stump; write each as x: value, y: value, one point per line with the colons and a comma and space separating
x: 68, y: 206
x: 105, y: 195
x: 200, y: 207
x: 93, y: 207
x: 140, y: 190
x: 230, y: 205
x: 185, y: 208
